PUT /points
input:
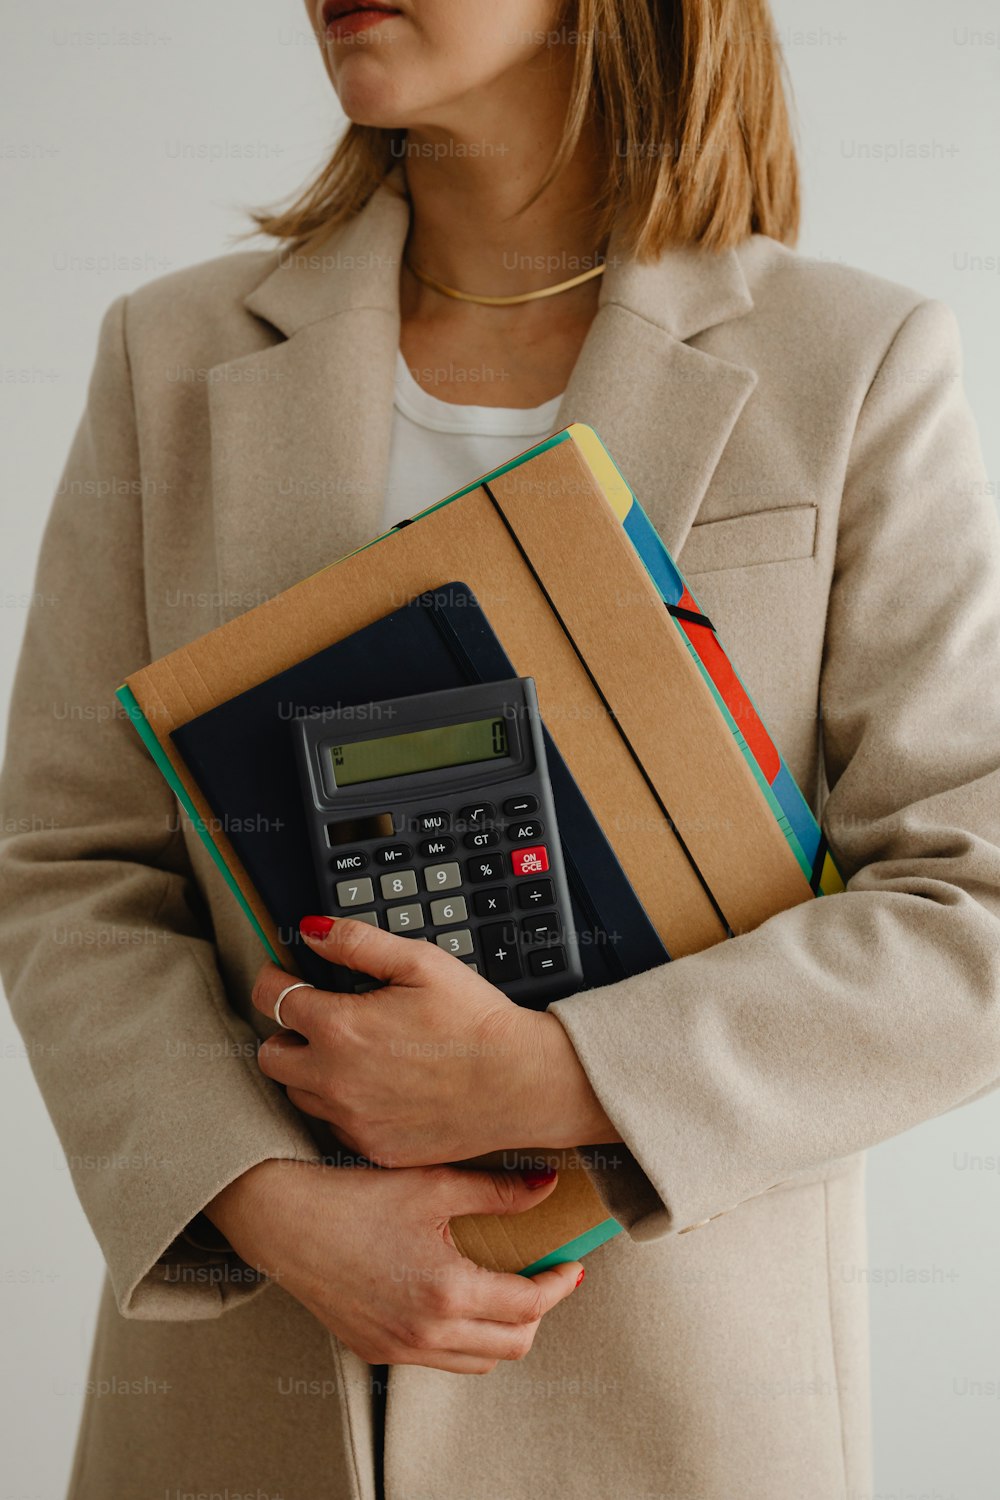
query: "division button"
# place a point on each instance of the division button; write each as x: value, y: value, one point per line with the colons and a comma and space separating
x: 498, y: 941
x: 547, y: 961
x: 533, y: 861
x: 449, y: 909
x: 520, y: 807
x: 355, y: 892
x: 535, y: 894
x: 520, y: 833
x: 442, y: 877
x: 405, y: 918
x: 348, y: 864
x: 458, y: 943
x: 437, y: 848
x: 486, y: 867
x: 393, y: 854
x: 491, y: 903
x: 398, y: 883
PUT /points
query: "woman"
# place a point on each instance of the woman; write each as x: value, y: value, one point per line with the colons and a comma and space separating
x: 798, y: 434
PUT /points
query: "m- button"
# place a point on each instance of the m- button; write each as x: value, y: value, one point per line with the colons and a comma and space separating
x: 393, y: 854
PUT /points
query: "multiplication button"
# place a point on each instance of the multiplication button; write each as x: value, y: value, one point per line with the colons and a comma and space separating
x: 491, y: 903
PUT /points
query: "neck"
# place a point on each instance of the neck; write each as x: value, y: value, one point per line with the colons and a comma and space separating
x: 466, y: 189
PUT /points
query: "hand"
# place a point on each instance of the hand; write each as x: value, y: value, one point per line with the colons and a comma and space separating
x: 370, y: 1254
x: 437, y: 1066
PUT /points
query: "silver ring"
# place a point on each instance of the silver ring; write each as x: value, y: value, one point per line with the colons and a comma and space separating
x: 299, y: 985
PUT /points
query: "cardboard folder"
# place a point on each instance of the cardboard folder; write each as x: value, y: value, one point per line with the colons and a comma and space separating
x: 656, y: 729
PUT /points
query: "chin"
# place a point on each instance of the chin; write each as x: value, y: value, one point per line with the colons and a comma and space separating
x: 368, y: 95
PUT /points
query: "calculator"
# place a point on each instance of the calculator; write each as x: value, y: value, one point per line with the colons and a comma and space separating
x: 432, y: 817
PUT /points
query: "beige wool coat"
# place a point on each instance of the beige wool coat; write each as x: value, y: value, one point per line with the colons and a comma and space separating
x: 798, y: 434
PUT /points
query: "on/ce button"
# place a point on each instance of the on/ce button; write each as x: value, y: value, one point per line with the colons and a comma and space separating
x: 531, y: 861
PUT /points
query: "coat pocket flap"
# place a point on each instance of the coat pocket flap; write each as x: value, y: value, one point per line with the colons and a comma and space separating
x: 760, y: 536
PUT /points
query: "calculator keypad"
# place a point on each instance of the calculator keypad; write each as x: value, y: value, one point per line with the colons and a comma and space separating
x: 449, y: 909
x: 407, y: 918
x: 399, y: 884
x: 355, y: 892
x: 489, y: 904
x: 458, y: 943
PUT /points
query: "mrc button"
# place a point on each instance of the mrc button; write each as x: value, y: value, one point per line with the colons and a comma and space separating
x: 346, y: 864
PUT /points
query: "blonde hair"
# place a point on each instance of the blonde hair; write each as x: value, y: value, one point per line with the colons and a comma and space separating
x: 689, y: 100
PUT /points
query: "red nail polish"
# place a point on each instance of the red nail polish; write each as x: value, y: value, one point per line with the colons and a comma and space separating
x: 537, y: 1179
x: 581, y: 1276
x: 316, y: 927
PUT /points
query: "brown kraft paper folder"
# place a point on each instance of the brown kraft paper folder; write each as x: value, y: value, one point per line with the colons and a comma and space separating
x: 619, y: 691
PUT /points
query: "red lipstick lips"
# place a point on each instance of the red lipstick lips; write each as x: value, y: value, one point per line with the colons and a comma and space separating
x: 347, y: 17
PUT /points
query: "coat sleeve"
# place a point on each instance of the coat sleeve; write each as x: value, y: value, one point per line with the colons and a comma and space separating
x: 151, y: 1079
x: 848, y: 1019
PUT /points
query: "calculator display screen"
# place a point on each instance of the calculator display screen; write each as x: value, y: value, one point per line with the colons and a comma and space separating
x: 419, y: 750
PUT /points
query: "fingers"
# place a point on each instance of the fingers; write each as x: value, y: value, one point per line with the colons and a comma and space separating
x: 300, y: 1009
x: 515, y: 1306
x: 502, y: 1297
x: 367, y: 949
x: 459, y: 1190
x: 448, y: 1359
x: 490, y: 1295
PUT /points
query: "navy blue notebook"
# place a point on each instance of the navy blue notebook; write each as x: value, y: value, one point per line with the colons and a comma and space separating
x: 241, y: 755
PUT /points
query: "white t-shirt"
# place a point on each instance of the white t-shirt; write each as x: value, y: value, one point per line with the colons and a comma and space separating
x: 438, y: 447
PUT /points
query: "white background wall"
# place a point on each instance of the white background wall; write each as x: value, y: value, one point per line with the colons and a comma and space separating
x: 133, y: 136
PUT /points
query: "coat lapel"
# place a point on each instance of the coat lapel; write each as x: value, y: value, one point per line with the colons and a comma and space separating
x: 664, y: 408
x: 300, y: 430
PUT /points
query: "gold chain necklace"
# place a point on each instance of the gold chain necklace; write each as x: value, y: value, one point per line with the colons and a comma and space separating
x: 547, y: 291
